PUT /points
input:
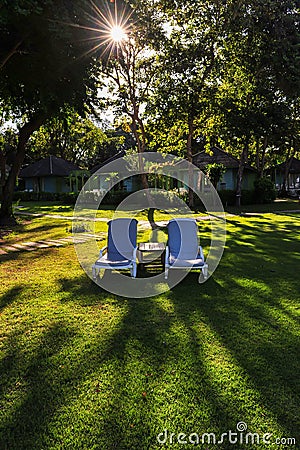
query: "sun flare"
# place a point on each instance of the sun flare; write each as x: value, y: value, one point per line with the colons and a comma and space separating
x: 107, y: 28
x: 118, y: 33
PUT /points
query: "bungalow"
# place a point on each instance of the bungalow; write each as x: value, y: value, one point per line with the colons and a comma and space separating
x: 286, y: 176
x: 103, y: 181
x: 229, y: 178
x: 52, y: 174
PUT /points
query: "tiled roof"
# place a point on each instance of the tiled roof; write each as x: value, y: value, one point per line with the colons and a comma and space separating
x: 294, y: 167
x: 50, y: 166
x: 202, y: 159
x: 107, y: 161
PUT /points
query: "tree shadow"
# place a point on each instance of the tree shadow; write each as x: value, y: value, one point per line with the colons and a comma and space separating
x: 197, y: 359
x: 255, y: 328
x: 25, y: 426
x: 10, y: 296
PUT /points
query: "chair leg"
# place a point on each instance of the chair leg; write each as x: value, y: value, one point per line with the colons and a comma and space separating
x: 133, y: 271
x: 166, y: 273
x: 203, y: 275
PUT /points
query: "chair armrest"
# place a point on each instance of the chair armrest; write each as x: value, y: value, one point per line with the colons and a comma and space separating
x: 134, y: 254
x: 167, y: 255
x: 102, y: 250
x: 200, y: 252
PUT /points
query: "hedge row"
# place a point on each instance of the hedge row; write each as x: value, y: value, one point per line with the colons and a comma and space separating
x: 262, y: 194
x: 69, y: 198
x: 24, y: 196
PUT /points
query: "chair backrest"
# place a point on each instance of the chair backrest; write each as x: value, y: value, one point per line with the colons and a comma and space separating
x: 182, y: 238
x: 121, y: 238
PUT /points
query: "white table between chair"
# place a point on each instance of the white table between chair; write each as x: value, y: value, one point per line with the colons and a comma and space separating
x: 146, y: 249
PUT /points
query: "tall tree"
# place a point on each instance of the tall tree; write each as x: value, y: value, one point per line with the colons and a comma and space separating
x: 126, y: 75
x: 74, y: 138
x: 261, y: 74
x: 41, y: 70
x: 189, y: 59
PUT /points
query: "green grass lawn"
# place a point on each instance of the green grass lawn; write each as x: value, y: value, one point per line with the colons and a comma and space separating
x: 83, y: 369
x: 47, y: 207
x: 107, y: 212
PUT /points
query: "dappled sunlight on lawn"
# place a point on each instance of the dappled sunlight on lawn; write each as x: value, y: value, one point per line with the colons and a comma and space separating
x: 83, y: 366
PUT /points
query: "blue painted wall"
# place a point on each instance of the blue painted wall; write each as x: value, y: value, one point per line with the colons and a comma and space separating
x: 47, y: 184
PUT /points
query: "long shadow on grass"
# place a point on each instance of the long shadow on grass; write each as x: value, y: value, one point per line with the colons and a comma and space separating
x: 157, y: 381
x: 10, y: 296
x: 258, y: 343
x: 250, y: 312
x: 197, y: 359
x: 160, y: 379
x: 158, y: 368
x: 31, y: 388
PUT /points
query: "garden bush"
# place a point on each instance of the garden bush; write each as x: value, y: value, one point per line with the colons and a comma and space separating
x: 26, y: 196
x: 68, y: 198
x: 228, y: 197
x: 264, y: 190
x: 115, y: 197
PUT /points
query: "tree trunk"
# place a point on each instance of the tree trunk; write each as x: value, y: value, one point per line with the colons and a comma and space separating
x: 243, y: 160
x: 2, y: 169
x: 190, y: 160
x: 6, y: 211
x: 285, y: 184
x: 263, y: 157
x: 141, y: 143
x: 260, y: 159
x: 257, y: 158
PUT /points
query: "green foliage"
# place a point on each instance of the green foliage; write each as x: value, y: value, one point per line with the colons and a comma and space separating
x: 77, y: 139
x: 234, y: 68
x: 67, y: 198
x: 41, y: 64
x: 189, y: 56
x: 265, y: 191
x: 215, y: 172
x: 44, y: 65
x: 114, y: 197
x: 228, y: 197
x: 259, y: 83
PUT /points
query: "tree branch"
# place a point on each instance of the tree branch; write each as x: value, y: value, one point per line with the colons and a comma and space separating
x: 12, y: 52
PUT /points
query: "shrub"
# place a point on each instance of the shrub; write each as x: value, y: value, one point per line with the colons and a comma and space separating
x: 215, y: 171
x: 115, y: 197
x: 25, y: 196
x: 248, y: 197
x: 228, y: 197
x: 68, y: 198
x: 264, y: 190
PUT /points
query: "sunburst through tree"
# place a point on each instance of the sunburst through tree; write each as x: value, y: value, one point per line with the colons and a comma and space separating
x: 108, y: 27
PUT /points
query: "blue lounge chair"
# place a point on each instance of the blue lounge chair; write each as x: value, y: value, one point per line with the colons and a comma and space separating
x: 120, y: 252
x: 183, y: 250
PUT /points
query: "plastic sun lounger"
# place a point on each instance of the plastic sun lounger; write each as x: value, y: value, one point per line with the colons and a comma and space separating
x: 183, y: 250
x: 120, y: 252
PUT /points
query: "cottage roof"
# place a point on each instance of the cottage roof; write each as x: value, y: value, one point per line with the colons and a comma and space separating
x: 107, y: 161
x: 202, y: 159
x: 49, y: 166
x: 294, y: 165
